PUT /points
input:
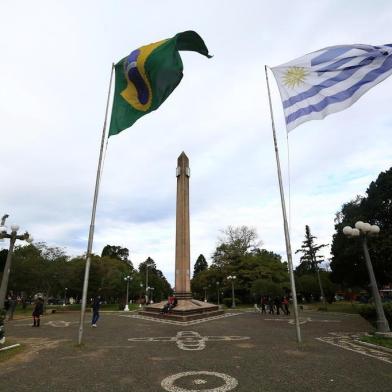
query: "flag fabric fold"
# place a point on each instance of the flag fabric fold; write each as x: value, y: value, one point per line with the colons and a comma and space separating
x: 146, y: 77
x: 330, y: 80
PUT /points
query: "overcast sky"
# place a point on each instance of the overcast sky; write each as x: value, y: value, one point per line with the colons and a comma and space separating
x: 54, y: 73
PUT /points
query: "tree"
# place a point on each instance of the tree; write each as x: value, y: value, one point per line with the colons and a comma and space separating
x: 309, y: 259
x: 235, y: 243
x: 156, y: 279
x: 116, y: 252
x: 3, y: 259
x: 238, y: 254
x: 348, y: 264
x: 200, y: 265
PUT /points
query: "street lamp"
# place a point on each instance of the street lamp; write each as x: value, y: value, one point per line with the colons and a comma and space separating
x: 147, y: 265
x: 13, y: 236
x: 232, y: 278
x: 363, y: 230
x: 65, y: 296
x: 140, y: 295
x: 151, y: 290
x: 205, y: 294
x: 127, y: 279
x: 217, y: 285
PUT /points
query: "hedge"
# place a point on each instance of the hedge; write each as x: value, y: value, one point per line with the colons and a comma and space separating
x: 368, y: 312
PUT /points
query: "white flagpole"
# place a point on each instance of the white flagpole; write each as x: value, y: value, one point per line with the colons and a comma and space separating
x: 91, y: 232
x: 286, y: 227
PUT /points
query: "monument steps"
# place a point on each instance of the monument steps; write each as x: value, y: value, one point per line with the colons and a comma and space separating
x: 184, y: 317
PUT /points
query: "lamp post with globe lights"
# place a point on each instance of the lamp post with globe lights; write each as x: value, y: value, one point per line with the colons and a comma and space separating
x: 232, y: 278
x: 140, y: 296
x: 65, y: 296
x: 217, y: 285
x: 127, y: 279
x: 205, y: 293
x: 147, y: 265
x: 364, y: 230
x: 13, y: 236
x: 151, y: 290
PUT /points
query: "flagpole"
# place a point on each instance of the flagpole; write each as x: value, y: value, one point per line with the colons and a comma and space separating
x: 91, y: 232
x: 286, y: 227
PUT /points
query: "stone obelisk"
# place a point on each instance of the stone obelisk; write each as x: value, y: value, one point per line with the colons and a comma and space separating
x: 187, y: 308
x: 182, y: 278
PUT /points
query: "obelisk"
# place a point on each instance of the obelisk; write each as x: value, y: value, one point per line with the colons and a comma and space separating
x: 182, y: 267
x: 187, y: 308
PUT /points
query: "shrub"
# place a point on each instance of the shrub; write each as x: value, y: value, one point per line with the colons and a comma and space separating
x: 228, y: 301
x: 368, y: 312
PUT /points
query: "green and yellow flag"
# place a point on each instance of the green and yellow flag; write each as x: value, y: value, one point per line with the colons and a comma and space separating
x: 146, y: 77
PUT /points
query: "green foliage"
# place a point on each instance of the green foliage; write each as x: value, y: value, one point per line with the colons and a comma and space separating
x: 116, y: 252
x: 308, y: 286
x: 48, y: 270
x: 200, y: 265
x: 156, y: 279
x: 3, y: 259
x: 228, y: 301
x: 236, y: 243
x: 368, y: 312
x: 377, y: 340
x: 238, y: 255
x: 309, y: 259
x: 262, y: 287
x: 348, y: 264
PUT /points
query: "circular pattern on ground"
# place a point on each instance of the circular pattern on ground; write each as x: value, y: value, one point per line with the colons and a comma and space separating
x: 229, y: 383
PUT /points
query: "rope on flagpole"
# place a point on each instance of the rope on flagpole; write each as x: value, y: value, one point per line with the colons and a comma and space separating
x: 289, y: 178
x: 93, y: 212
x: 285, y: 225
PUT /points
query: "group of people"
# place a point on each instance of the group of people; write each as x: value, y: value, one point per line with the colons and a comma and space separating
x: 275, y: 304
x: 171, y: 304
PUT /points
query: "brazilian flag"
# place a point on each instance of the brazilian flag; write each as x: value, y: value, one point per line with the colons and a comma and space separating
x: 146, y: 77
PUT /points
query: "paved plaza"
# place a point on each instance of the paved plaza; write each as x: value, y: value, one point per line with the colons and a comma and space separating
x: 241, y: 352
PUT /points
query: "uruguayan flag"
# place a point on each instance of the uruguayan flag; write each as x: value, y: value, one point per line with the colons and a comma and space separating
x: 330, y: 80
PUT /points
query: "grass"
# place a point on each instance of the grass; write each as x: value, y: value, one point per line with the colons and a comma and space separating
x: 338, y: 307
x: 8, y: 354
x: 377, y: 340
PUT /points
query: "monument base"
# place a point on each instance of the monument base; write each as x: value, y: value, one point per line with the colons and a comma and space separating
x: 186, y: 310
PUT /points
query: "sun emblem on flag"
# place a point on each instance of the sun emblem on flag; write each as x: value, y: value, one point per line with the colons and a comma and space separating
x: 294, y: 76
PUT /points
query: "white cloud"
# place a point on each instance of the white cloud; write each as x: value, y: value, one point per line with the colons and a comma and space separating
x: 54, y: 77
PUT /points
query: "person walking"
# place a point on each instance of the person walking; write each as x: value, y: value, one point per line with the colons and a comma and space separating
x: 278, y: 304
x: 264, y: 302
x: 37, y: 312
x: 96, y: 305
x: 271, y: 305
x: 286, y: 305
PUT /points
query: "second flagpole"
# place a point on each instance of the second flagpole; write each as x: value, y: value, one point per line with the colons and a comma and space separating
x: 286, y: 226
x: 92, y: 224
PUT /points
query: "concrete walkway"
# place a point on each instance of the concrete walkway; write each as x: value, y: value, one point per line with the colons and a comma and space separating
x: 244, y: 352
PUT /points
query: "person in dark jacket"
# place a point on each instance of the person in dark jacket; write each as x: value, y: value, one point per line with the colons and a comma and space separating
x: 278, y: 304
x: 286, y: 305
x: 264, y: 302
x: 271, y: 305
x: 96, y: 305
x: 37, y: 312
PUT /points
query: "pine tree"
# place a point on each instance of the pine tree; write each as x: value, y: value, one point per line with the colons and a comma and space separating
x: 200, y: 265
x: 310, y: 259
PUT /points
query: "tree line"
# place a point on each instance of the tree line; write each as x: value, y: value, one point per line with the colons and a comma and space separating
x: 39, y: 268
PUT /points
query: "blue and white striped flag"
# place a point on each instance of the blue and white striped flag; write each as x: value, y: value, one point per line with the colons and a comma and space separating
x: 330, y: 80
